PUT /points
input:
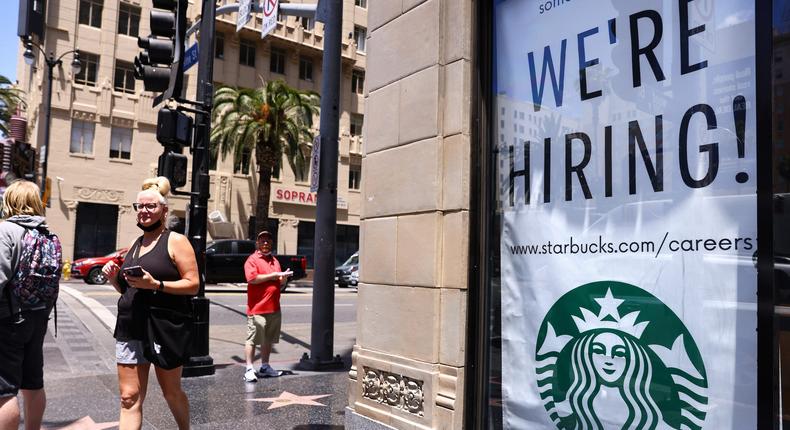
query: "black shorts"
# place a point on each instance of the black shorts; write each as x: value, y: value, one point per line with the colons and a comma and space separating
x: 21, y: 352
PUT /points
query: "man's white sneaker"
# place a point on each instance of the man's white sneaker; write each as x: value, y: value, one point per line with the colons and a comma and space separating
x: 249, y: 375
x: 267, y: 371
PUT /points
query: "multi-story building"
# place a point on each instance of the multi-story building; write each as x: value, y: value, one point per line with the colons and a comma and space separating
x: 103, y: 125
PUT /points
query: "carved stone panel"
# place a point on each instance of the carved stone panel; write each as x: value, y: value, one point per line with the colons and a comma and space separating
x: 99, y: 195
x: 394, y: 390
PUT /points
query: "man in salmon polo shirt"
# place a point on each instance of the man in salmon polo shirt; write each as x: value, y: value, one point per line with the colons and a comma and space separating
x: 264, y: 278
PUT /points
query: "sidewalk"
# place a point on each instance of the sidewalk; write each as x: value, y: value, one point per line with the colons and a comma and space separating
x: 82, y: 388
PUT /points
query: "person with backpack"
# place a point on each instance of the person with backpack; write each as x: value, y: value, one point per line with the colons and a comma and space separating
x: 30, y: 265
x: 156, y: 281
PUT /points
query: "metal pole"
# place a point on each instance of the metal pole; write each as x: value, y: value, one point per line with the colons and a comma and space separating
x: 322, y: 330
x: 50, y: 62
x: 200, y: 363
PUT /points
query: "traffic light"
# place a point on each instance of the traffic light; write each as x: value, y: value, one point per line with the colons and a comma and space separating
x: 173, y: 128
x: 173, y: 166
x: 173, y: 131
x: 159, y: 66
x: 23, y: 161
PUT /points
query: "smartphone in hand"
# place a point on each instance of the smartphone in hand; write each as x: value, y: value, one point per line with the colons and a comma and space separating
x: 135, y: 271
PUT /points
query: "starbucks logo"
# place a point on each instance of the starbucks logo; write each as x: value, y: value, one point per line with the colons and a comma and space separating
x: 612, y: 356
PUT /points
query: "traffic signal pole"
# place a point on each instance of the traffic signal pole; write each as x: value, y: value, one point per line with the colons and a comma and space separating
x: 200, y: 362
x: 322, y: 329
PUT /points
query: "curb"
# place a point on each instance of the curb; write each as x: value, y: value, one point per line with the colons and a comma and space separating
x: 97, y: 309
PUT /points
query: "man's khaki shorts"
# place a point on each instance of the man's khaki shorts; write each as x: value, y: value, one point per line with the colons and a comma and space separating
x: 263, y: 329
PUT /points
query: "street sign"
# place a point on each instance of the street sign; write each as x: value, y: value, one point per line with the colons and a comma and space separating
x: 191, y: 56
x: 314, y: 164
x: 269, y: 16
x: 245, y: 9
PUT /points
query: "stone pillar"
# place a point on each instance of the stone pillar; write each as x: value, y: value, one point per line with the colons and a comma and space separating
x: 409, y: 360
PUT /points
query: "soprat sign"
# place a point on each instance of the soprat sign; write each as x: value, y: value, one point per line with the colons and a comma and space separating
x: 269, y: 16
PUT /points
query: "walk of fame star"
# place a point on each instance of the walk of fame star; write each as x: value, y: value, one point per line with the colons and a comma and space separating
x: 287, y: 399
x: 87, y: 423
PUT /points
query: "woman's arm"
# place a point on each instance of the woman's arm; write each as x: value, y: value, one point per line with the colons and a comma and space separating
x: 112, y: 270
x: 183, y: 255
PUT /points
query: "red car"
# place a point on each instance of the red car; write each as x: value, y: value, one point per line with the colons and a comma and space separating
x: 89, y: 269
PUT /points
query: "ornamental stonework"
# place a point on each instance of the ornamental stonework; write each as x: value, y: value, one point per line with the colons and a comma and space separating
x: 394, y: 390
x: 98, y: 195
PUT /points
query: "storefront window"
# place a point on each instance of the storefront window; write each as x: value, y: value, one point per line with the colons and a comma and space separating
x: 623, y: 263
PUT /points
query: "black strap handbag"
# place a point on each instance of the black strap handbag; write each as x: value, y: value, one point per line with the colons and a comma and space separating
x: 167, y: 337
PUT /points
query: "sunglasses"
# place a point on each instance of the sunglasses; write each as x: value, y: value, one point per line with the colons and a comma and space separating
x: 150, y: 207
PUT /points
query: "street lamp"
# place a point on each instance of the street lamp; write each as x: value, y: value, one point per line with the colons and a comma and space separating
x: 51, y: 62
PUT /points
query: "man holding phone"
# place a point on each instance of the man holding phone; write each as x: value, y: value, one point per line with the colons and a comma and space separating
x: 264, y: 278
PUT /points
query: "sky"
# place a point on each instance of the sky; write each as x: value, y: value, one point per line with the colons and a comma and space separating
x: 9, y: 42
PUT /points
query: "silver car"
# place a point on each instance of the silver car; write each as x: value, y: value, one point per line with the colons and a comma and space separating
x: 347, y: 274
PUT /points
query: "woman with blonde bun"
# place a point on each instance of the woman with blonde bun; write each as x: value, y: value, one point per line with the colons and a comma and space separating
x: 159, y: 271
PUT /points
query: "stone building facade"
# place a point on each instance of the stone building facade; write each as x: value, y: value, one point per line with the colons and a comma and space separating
x: 409, y: 367
x: 103, y: 126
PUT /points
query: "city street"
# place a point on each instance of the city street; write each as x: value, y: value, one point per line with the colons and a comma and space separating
x: 82, y: 358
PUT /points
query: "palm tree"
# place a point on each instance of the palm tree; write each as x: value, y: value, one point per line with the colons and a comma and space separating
x: 10, y: 98
x: 272, y: 120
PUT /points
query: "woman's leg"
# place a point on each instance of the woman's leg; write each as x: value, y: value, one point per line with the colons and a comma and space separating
x: 9, y: 413
x: 35, y: 402
x: 170, y: 381
x: 132, y: 382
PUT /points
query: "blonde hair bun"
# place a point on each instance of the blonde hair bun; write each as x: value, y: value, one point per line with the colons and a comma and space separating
x: 159, y: 184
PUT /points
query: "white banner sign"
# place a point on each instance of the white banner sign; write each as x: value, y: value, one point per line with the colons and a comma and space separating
x: 626, y: 141
x: 269, y: 16
x: 245, y: 12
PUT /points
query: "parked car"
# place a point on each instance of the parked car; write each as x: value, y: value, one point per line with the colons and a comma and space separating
x: 347, y: 274
x: 225, y: 261
x: 89, y: 269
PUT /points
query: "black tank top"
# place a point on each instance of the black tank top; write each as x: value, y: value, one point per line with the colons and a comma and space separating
x: 131, y: 305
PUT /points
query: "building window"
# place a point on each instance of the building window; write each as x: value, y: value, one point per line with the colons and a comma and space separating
x: 358, y: 82
x: 241, y: 163
x: 360, y: 34
x: 124, y: 77
x: 307, y: 23
x: 219, y: 47
x: 82, y: 137
x: 305, y: 69
x: 87, y: 74
x: 246, y: 53
x: 90, y: 12
x: 354, y: 176
x: 361, y: 3
x: 346, y: 242
x: 277, y: 62
x: 121, y: 143
x: 356, y: 124
x: 128, y: 20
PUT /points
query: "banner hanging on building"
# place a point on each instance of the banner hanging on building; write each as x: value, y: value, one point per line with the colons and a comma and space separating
x: 626, y: 141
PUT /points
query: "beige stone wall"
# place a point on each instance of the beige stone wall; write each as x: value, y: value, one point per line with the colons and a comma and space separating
x: 408, y: 364
x: 96, y: 178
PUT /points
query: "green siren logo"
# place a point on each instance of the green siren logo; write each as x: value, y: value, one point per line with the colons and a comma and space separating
x: 612, y: 356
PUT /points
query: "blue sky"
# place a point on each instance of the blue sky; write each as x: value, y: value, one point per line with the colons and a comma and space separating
x: 9, y: 42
